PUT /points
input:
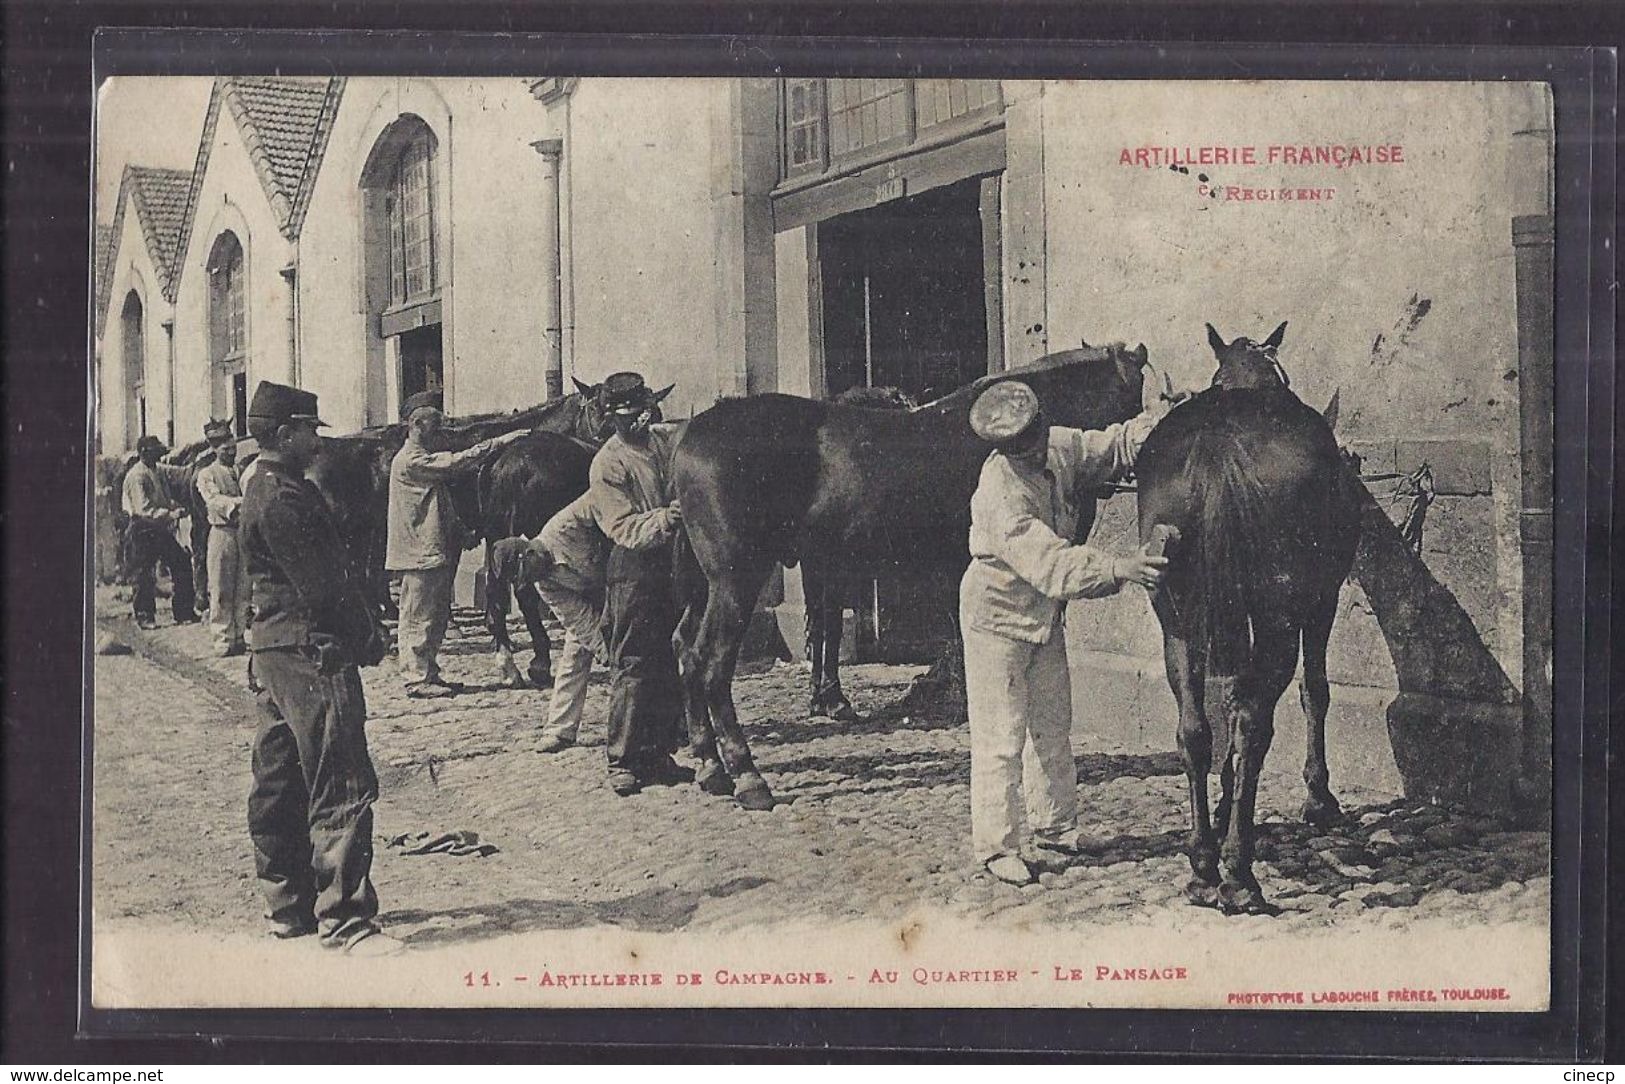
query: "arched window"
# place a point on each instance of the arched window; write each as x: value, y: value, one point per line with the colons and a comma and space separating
x: 403, y: 251
x: 133, y: 350
x: 228, y: 332
x: 412, y: 256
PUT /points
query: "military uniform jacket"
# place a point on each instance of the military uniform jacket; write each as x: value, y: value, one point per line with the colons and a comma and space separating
x: 297, y: 566
x: 1023, y: 563
x: 629, y: 490
x: 144, y: 497
x: 424, y: 529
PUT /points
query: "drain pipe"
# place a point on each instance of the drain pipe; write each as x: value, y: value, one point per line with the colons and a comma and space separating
x: 1532, y: 234
x: 552, y: 151
x: 290, y: 275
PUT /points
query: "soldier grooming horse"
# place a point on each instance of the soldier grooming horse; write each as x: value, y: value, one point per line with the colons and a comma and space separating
x: 775, y: 479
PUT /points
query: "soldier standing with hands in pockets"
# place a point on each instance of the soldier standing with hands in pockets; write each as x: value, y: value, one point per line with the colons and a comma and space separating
x: 310, y: 808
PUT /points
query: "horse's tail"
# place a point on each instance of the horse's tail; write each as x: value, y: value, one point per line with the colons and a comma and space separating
x: 1232, y: 512
x: 689, y: 585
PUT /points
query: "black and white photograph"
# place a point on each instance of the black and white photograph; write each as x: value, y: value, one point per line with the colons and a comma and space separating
x: 598, y: 541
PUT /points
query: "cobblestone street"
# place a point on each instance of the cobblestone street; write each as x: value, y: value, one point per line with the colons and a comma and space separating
x: 873, y: 823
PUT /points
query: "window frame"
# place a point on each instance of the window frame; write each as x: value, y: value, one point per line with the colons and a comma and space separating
x: 232, y: 297
x: 915, y: 137
x: 399, y: 271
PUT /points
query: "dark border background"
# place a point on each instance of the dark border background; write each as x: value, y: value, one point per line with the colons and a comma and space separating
x: 46, y: 108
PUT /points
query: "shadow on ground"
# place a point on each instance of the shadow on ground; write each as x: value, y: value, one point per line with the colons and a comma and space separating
x: 655, y: 910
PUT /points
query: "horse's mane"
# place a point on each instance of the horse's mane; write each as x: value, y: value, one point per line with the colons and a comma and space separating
x: 459, y: 424
x: 1049, y: 363
x: 185, y: 454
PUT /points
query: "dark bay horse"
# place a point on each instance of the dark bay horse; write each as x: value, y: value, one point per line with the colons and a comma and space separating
x: 777, y: 479
x: 1266, y: 518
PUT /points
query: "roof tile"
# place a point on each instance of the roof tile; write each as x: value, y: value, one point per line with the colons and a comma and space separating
x: 284, y: 112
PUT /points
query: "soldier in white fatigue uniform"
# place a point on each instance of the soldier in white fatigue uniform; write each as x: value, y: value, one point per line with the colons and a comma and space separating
x: 1023, y: 569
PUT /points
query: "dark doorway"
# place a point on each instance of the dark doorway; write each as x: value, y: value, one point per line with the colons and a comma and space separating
x: 906, y: 295
x: 904, y: 288
x: 421, y: 366
x: 239, y: 404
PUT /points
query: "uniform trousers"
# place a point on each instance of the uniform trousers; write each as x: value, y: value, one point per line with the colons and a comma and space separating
x: 149, y: 543
x: 228, y: 581
x: 1019, y: 697
x: 310, y: 808
x: 576, y: 603
x: 645, y: 699
x: 425, y: 614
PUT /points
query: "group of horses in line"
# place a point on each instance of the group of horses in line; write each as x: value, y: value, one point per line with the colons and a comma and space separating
x: 1244, y: 481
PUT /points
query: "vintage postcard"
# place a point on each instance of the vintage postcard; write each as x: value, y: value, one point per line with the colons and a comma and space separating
x: 583, y: 542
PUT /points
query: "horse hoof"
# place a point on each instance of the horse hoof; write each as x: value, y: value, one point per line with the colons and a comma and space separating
x: 1241, y: 899
x: 844, y: 712
x: 1322, y: 812
x: 1201, y: 893
x: 756, y: 798
x: 714, y: 781
x: 541, y: 678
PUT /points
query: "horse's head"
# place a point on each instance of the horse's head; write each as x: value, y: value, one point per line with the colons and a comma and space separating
x: 593, y: 424
x: 1088, y: 388
x: 1244, y: 363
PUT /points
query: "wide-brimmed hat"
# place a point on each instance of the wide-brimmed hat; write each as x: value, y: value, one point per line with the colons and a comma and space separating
x: 1004, y: 412
x: 419, y: 401
x: 626, y: 393
x: 150, y: 443
x: 281, y: 404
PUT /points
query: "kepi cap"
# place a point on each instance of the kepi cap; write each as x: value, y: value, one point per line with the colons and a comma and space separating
x: 1004, y: 411
x: 281, y: 404
x: 420, y: 400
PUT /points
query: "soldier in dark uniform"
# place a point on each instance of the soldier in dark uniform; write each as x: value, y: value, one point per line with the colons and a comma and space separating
x: 310, y: 810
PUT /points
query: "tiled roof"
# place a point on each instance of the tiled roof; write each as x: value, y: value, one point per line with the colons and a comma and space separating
x: 101, y: 281
x: 284, y: 121
x: 160, y: 198
x: 279, y: 116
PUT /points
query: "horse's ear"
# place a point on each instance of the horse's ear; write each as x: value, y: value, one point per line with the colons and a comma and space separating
x: 1215, y: 340
x: 1330, y: 413
x: 1140, y: 355
x: 663, y: 392
x: 585, y: 389
x: 1274, y: 341
x: 1085, y: 343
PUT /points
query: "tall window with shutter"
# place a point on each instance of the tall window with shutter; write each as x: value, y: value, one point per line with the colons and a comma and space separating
x: 228, y: 331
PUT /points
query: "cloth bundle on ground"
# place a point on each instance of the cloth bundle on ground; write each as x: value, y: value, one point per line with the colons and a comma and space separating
x: 457, y: 844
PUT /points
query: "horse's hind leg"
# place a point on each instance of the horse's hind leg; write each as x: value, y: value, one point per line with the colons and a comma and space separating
x: 1321, y: 807
x: 722, y: 633
x: 826, y: 596
x: 540, y: 670
x: 1258, y: 687
x: 815, y: 598
x: 832, y: 697
x: 710, y: 776
x: 1195, y: 738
